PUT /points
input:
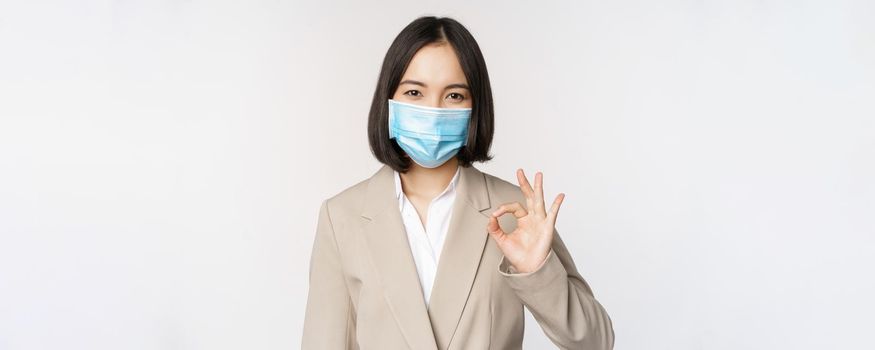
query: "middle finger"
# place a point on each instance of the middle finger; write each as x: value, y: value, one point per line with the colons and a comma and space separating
x: 539, y: 194
x: 526, y: 188
x: 524, y: 183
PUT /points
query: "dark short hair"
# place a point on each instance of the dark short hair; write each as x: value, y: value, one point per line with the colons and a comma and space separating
x: 421, y: 32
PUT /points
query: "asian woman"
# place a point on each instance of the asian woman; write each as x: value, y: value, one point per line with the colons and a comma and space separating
x: 429, y: 252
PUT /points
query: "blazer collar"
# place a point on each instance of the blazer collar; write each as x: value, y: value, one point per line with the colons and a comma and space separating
x: 380, y: 192
x: 432, y: 326
x: 450, y: 187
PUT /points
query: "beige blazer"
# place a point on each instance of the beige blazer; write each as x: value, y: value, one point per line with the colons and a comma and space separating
x: 365, y: 294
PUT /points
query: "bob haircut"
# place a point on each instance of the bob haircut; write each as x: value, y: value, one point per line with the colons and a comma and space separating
x: 421, y: 32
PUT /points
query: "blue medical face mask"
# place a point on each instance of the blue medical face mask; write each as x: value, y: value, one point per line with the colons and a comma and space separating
x: 429, y: 135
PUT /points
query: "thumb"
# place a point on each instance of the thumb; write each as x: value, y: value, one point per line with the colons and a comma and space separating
x: 494, y: 229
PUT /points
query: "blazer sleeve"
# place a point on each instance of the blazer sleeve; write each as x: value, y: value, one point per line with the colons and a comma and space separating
x: 561, y: 301
x: 329, y: 320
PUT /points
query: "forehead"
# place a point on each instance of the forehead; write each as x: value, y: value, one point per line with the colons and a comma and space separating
x: 435, y: 63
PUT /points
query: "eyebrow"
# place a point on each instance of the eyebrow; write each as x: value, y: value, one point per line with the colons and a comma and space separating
x: 456, y: 85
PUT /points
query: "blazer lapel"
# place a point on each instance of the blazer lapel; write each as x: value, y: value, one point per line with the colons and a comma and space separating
x: 460, y: 256
x: 387, y: 241
x: 429, y: 327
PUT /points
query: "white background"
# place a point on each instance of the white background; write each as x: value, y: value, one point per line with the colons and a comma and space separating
x: 162, y: 162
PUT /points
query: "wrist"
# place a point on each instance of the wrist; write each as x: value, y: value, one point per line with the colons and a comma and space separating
x: 530, y: 267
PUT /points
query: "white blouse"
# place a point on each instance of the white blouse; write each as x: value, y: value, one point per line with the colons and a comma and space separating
x: 426, y: 243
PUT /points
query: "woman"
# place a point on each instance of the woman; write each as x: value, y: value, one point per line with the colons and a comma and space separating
x: 403, y: 259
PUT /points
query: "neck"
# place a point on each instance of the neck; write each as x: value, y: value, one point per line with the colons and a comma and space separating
x: 424, y: 182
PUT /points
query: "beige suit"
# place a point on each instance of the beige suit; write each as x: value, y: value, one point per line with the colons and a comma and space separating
x: 365, y: 294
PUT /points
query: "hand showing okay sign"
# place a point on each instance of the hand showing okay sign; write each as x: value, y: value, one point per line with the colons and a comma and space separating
x: 528, y: 245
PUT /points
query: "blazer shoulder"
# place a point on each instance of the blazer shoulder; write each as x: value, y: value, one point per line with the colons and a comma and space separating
x: 504, y: 190
x: 346, y: 200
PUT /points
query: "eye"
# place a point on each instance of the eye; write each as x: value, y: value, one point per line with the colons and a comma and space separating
x: 416, y: 91
x: 459, y: 97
